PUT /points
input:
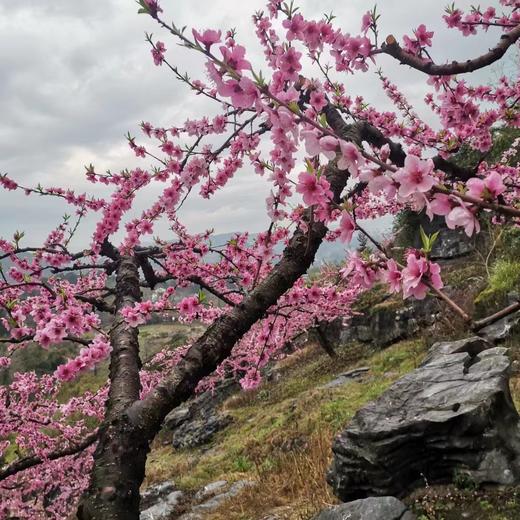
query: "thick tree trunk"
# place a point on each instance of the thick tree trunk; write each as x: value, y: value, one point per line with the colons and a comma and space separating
x: 124, y: 442
x: 120, y: 456
x: 119, y: 463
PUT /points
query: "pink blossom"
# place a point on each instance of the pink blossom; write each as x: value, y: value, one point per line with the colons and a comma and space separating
x: 312, y: 142
x: 360, y: 271
x: 208, y: 37
x: 366, y: 21
x: 294, y: 26
x: 347, y: 227
x: 153, y: 7
x: 351, y: 158
x: 412, y: 276
x: 313, y: 190
x: 440, y: 204
x: 419, y: 270
x: 318, y: 100
x: 189, y: 306
x: 65, y: 372
x: 415, y: 176
x: 392, y: 276
x: 382, y: 184
x: 488, y: 188
x: 423, y: 36
x: 435, y: 276
x: 289, y: 63
x: 328, y: 146
x: 235, y: 57
x: 243, y: 93
x: 461, y: 216
x: 158, y: 53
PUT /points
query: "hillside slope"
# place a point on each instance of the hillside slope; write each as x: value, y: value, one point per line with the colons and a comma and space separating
x: 280, y: 435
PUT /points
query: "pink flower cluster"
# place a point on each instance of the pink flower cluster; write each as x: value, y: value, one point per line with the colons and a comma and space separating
x: 89, y: 356
x: 417, y: 274
x: 414, y: 279
x: 314, y: 189
x: 189, y: 306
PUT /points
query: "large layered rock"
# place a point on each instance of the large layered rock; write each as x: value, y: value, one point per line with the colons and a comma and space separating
x: 453, y: 415
x: 385, y: 324
x: 380, y: 508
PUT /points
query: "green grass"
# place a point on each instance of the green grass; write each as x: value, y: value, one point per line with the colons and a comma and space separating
x: 505, y: 277
x: 271, y: 420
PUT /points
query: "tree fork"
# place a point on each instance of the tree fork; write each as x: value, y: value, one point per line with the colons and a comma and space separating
x: 119, y: 460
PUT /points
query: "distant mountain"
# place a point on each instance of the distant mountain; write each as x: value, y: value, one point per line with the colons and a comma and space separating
x: 328, y: 251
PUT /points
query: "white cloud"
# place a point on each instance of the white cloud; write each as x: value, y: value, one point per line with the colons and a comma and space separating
x: 76, y: 76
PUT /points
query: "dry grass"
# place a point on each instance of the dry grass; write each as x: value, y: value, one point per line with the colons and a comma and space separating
x: 281, y: 434
x: 295, y: 487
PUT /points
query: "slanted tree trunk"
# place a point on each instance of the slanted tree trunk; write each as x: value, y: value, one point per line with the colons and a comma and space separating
x: 131, y: 424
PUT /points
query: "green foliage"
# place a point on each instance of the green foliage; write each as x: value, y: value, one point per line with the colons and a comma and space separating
x: 464, y: 481
x: 242, y: 464
x: 427, y: 240
x: 502, y: 140
x: 485, y: 505
x: 505, y: 277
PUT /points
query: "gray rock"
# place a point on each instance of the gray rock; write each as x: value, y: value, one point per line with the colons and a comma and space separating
x: 384, y: 325
x: 473, y: 346
x: 210, y: 489
x: 453, y: 414
x: 501, y: 329
x: 196, y: 422
x: 199, y: 511
x: 356, y: 373
x: 380, y: 508
x: 214, y: 502
x: 160, y: 501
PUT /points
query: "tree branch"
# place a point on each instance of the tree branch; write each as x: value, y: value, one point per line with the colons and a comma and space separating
x: 29, y: 462
x: 217, y: 342
x: 488, y: 320
x: 392, y: 48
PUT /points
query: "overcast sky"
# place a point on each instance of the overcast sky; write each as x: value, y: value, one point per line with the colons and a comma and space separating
x: 75, y: 76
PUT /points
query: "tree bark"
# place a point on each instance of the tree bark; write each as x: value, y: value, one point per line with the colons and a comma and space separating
x: 120, y: 456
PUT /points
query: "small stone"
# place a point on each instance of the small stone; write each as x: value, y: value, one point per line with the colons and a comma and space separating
x: 351, y: 375
x: 381, y: 508
x: 210, y: 489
